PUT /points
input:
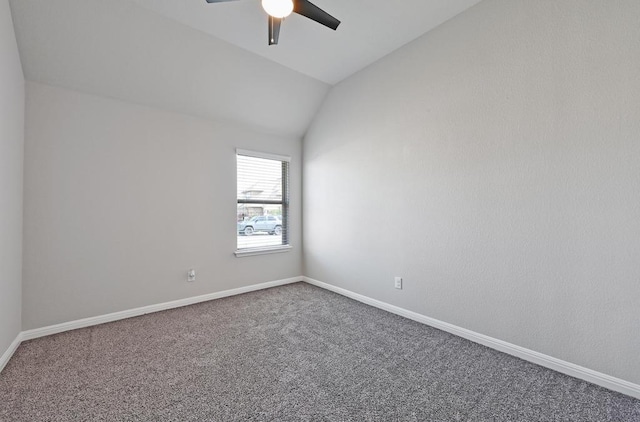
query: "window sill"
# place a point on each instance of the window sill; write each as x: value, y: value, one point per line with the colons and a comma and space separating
x: 262, y: 251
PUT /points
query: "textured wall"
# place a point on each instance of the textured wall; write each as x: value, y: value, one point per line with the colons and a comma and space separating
x: 11, y: 163
x: 494, y: 163
x: 121, y: 200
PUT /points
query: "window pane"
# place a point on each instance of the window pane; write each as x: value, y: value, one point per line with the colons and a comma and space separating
x: 259, y: 179
x: 257, y: 231
x: 262, y: 201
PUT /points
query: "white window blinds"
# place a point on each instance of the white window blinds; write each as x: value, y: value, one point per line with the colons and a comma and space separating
x: 262, y: 200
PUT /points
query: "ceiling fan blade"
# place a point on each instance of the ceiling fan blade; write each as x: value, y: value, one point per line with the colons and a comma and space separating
x: 313, y: 12
x: 218, y: 1
x: 274, y: 30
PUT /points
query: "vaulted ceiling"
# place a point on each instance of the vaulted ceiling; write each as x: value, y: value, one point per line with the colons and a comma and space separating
x: 212, y: 60
x: 369, y: 30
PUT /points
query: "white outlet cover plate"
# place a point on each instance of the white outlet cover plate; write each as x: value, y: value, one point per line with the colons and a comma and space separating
x: 398, y: 282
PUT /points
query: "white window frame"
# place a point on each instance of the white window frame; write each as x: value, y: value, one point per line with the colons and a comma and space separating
x: 239, y: 253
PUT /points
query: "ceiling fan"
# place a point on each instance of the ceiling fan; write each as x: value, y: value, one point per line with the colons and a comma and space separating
x: 280, y: 9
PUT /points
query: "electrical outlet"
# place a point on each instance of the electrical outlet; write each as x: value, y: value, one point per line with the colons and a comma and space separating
x: 398, y: 282
x: 191, y: 275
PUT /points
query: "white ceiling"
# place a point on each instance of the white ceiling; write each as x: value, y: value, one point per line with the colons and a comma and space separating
x: 212, y: 60
x: 370, y: 29
x: 118, y: 49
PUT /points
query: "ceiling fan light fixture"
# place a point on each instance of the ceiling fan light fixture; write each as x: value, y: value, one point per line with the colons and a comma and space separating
x: 278, y: 8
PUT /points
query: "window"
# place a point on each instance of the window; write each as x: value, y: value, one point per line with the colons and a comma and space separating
x: 262, y: 203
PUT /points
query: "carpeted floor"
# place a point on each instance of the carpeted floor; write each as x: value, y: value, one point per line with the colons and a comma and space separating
x: 291, y: 353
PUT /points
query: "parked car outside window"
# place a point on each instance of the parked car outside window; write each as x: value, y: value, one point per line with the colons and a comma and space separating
x: 261, y: 223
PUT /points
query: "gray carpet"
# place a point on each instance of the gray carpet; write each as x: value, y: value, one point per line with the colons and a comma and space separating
x: 292, y: 353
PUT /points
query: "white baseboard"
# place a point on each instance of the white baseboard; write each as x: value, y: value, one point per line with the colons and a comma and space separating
x: 576, y: 371
x: 10, y: 351
x: 101, y: 319
x: 567, y: 368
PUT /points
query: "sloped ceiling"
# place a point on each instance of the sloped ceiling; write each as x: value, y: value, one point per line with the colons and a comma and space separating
x: 118, y: 49
x: 212, y: 60
x: 370, y: 29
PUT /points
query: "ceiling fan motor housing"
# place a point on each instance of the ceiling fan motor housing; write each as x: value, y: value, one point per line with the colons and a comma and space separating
x: 279, y: 9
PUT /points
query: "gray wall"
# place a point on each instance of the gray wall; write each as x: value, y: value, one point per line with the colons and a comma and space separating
x: 494, y: 164
x: 11, y: 163
x: 121, y: 200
